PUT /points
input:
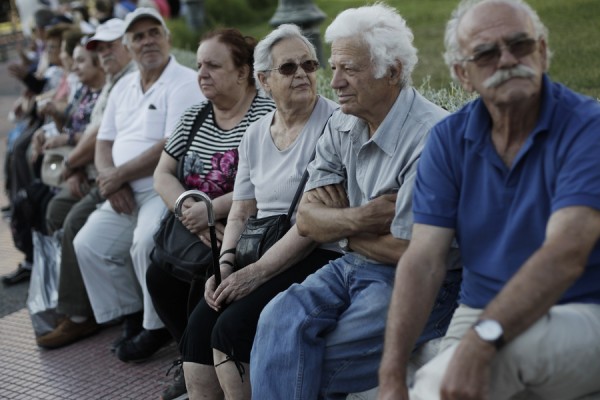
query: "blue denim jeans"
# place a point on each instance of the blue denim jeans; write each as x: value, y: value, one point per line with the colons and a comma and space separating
x: 323, y: 338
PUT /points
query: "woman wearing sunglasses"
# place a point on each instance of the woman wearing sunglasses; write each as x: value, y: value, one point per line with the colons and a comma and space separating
x: 274, y: 154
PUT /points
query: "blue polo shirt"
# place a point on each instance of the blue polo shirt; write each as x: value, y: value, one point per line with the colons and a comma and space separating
x: 500, y: 214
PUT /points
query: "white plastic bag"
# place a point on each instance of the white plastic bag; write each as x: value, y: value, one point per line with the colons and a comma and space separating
x: 43, y: 286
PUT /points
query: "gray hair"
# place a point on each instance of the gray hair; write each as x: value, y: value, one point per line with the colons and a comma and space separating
x: 263, y: 59
x: 384, y: 31
x: 453, y: 54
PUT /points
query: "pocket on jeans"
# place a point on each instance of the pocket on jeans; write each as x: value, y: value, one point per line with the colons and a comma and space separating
x: 154, y: 124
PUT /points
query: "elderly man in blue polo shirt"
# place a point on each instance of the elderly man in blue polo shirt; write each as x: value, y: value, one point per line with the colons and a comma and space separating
x: 323, y: 338
x: 515, y: 175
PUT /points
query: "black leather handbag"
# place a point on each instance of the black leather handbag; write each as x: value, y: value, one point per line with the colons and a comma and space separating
x: 176, y: 249
x: 261, y: 233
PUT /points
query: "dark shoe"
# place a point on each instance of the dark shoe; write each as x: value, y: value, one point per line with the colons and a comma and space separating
x: 132, y: 325
x: 143, y: 345
x: 21, y: 274
x: 177, y: 389
x: 68, y: 332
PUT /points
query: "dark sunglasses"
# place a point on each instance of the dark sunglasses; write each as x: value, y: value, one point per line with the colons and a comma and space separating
x: 490, y: 55
x: 290, y: 68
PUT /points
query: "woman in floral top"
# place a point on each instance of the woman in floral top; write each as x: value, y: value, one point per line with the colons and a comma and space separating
x: 225, y: 76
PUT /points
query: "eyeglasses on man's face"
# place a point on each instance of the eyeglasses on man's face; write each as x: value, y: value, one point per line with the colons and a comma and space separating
x: 489, y: 54
x: 290, y: 68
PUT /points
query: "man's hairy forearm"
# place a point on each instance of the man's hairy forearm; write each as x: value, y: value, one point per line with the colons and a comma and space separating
x: 325, y: 224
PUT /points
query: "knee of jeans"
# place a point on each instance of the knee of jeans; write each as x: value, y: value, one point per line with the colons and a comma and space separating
x: 271, y: 309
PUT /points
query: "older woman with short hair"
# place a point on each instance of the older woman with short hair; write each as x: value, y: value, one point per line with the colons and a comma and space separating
x: 273, y: 154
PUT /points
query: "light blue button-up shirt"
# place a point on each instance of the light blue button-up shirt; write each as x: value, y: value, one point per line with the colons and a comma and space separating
x: 369, y: 167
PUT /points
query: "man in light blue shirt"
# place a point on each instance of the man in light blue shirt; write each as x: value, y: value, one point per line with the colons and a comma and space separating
x: 323, y: 338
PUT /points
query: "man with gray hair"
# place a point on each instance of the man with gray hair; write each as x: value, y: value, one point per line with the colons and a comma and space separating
x: 113, y: 247
x: 515, y: 176
x: 323, y: 338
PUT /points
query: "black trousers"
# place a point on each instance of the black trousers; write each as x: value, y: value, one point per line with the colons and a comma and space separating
x: 232, y: 330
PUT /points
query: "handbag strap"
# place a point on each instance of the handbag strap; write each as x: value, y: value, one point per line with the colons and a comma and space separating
x: 198, y: 121
x: 303, y: 180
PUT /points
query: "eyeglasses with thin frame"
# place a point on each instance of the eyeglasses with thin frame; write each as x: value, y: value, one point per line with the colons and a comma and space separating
x: 490, y: 54
x: 290, y: 68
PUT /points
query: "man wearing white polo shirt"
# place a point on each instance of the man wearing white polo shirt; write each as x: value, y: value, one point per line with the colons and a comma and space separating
x: 114, y: 245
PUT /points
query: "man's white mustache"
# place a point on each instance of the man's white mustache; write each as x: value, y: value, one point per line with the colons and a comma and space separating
x: 502, y: 75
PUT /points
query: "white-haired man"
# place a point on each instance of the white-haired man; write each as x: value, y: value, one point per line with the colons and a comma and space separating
x: 143, y: 109
x: 515, y: 175
x: 323, y: 338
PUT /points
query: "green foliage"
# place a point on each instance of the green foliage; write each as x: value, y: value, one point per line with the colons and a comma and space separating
x: 182, y: 37
x: 450, y: 98
x: 224, y: 13
x: 573, y: 27
x: 238, y: 12
x: 185, y: 57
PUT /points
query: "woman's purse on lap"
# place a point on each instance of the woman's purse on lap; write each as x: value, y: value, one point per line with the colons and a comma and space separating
x: 261, y: 233
x: 176, y: 249
x: 258, y: 237
x: 179, y: 251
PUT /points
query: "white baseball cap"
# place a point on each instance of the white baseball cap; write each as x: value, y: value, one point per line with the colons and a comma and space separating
x: 144, y: 12
x: 109, y: 31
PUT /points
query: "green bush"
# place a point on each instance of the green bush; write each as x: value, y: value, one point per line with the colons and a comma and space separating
x: 450, y: 98
x: 238, y: 12
x: 222, y: 13
x: 182, y: 37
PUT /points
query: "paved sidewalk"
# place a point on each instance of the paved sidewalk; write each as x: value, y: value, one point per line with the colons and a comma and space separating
x: 86, y: 370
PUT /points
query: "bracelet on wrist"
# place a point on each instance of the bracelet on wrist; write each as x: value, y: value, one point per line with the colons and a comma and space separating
x: 227, y: 263
x: 228, y: 251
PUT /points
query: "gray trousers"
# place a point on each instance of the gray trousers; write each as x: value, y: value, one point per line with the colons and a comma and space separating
x: 555, y: 359
x: 70, y: 213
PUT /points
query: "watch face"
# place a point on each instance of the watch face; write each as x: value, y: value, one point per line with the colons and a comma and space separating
x: 343, y: 243
x: 488, y: 330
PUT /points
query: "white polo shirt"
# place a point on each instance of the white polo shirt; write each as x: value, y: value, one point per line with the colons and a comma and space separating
x: 135, y: 120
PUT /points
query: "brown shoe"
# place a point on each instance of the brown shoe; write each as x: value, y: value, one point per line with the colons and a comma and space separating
x: 67, y: 332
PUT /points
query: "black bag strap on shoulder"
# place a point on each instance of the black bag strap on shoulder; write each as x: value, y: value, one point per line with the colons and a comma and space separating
x: 303, y: 180
x: 198, y: 121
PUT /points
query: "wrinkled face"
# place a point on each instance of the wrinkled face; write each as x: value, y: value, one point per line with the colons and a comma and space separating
x: 113, y: 56
x: 83, y: 66
x: 353, y: 78
x: 148, y: 43
x: 217, y: 75
x: 299, y: 86
x: 65, y: 59
x: 505, y: 59
x: 53, y: 51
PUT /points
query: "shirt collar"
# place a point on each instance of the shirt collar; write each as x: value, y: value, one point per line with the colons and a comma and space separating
x: 388, y: 134
x: 479, y: 119
x: 167, y: 72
